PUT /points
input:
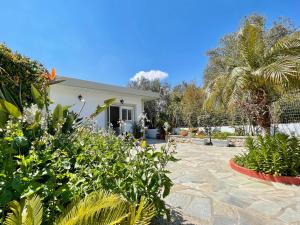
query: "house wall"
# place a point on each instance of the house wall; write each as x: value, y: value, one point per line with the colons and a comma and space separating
x: 68, y: 95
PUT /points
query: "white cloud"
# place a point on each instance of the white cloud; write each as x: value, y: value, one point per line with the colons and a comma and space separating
x: 150, y: 75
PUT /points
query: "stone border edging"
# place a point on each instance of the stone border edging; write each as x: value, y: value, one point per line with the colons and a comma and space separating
x: 263, y: 176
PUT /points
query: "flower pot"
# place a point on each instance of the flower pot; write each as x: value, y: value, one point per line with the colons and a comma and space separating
x: 184, y: 133
x: 151, y: 133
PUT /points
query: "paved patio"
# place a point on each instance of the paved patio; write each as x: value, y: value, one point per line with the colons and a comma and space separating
x: 207, y: 191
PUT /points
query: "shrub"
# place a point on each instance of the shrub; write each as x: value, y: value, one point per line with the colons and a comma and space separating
x: 137, y: 130
x: 221, y: 135
x: 53, y: 155
x: 125, y: 166
x: 18, y: 72
x: 277, y: 155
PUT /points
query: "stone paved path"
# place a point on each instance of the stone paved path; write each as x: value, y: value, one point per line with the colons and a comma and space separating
x: 207, y: 191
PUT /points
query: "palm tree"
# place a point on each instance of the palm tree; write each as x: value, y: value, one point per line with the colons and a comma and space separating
x: 259, y: 75
x: 98, y: 208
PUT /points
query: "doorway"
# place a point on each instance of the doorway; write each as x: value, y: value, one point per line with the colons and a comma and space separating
x: 114, y: 116
x: 118, y: 113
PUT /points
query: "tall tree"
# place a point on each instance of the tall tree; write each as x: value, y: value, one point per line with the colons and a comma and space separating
x: 154, y: 108
x: 191, y: 104
x: 261, y: 71
x: 174, y: 108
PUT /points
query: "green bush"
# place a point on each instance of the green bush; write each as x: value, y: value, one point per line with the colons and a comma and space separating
x: 276, y: 155
x: 221, y: 135
x: 136, y: 130
x: 124, y: 166
x: 18, y: 72
x: 54, y: 156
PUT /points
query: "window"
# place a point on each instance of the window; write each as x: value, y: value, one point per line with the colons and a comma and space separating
x: 129, y: 114
x: 126, y: 114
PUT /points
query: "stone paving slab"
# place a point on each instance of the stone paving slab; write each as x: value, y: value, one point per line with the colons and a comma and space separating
x: 207, y: 191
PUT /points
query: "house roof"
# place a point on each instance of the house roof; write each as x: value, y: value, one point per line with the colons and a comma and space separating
x: 74, y: 82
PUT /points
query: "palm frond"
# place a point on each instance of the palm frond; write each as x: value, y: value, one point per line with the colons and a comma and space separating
x: 215, y: 92
x: 31, y: 213
x: 14, y: 217
x: 96, y: 208
x: 284, y: 71
x: 35, y: 209
x: 141, y: 214
x: 251, y: 44
x: 227, y: 89
x: 288, y: 45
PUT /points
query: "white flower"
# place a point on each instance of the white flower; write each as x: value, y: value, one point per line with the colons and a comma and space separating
x: 29, y: 114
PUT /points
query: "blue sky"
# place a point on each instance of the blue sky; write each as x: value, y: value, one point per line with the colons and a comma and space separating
x: 110, y: 41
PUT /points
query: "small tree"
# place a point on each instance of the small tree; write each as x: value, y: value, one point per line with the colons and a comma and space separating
x: 207, y: 120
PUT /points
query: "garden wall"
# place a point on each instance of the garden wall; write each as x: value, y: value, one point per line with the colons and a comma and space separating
x: 287, y: 128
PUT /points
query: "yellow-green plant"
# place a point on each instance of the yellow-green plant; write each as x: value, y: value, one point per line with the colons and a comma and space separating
x: 29, y: 212
x: 98, y: 208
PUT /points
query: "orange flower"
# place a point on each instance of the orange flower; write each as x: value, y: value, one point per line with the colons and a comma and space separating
x: 51, y: 76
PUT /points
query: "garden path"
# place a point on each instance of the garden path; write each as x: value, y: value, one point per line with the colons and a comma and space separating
x: 207, y: 191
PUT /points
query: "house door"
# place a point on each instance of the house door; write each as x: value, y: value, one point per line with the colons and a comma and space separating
x: 118, y: 113
x: 114, y: 116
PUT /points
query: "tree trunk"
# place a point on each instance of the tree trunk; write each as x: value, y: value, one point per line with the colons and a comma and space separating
x: 263, y: 119
x: 258, y: 109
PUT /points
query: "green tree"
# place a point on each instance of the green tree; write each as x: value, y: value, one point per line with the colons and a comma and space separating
x: 191, y: 104
x: 261, y: 72
x: 155, y: 108
x: 174, y: 109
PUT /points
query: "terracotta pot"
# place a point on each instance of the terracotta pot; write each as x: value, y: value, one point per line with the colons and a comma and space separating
x: 184, y: 133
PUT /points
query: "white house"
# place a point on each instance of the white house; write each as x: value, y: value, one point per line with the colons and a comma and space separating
x: 86, y: 95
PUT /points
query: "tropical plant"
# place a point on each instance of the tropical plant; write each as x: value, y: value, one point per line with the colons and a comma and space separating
x: 28, y: 213
x: 276, y: 155
x: 260, y: 73
x: 96, y: 208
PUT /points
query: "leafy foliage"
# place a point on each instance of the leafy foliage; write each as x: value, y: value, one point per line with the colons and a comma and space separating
x: 58, y: 157
x: 136, y: 130
x: 36, y: 151
x: 154, y: 108
x: 96, y: 208
x: 191, y: 104
x: 276, y: 155
x: 18, y: 72
x: 124, y: 166
x: 221, y: 135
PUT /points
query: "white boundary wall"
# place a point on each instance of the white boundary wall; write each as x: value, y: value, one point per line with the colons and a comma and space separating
x: 286, y: 128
